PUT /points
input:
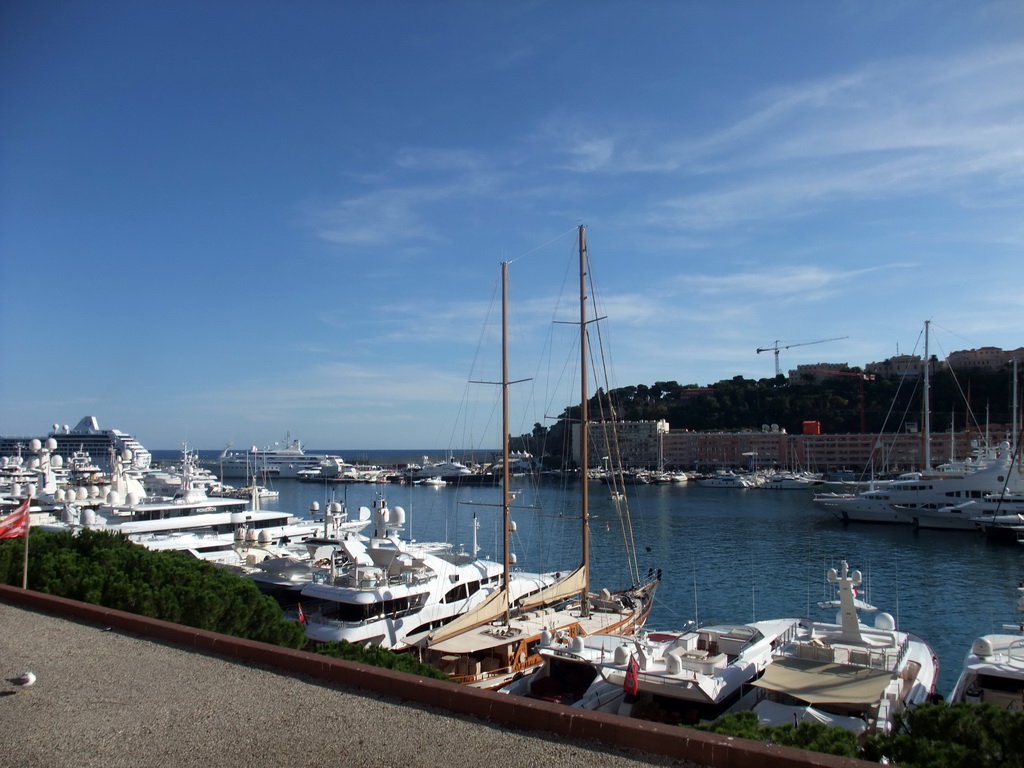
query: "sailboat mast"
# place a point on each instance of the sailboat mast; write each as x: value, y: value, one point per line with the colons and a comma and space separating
x: 505, y: 474
x: 926, y: 404
x: 584, y: 429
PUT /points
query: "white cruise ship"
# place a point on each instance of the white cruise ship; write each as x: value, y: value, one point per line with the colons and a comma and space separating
x: 85, y: 438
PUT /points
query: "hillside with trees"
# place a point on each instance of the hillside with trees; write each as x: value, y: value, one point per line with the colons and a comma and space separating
x: 841, y: 403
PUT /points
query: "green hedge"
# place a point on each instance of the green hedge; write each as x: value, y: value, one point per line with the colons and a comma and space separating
x: 109, y: 570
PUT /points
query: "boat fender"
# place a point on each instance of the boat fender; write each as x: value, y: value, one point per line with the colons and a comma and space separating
x: 522, y: 658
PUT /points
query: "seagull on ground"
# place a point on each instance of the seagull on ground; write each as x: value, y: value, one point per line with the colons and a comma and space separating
x: 22, y: 681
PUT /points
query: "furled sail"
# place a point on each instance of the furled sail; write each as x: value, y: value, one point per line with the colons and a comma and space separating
x: 490, y: 609
x: 573, y: 584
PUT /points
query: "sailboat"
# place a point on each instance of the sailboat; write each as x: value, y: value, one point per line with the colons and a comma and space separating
x: 498, y: 641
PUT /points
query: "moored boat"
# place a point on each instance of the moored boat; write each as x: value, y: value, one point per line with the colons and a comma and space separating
x: 497, y: 642
x: 993, y: 671
x: 847, y: 674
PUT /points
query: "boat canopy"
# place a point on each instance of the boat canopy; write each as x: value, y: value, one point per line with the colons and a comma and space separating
x: 770, y: 713
x: 821, y: 683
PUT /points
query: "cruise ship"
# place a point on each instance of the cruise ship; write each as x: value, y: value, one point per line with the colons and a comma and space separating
x: 85, y: 438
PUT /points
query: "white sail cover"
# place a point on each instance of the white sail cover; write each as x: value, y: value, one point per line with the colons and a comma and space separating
x: 489, y: 610
x: 573, y: 584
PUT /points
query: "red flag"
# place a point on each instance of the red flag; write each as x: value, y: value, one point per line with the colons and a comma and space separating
x: 16, y: 523
x: 631, y: 684
x: 302, y: 616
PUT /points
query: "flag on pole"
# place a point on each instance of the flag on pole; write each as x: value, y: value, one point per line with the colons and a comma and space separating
x: 16, y: 523
x: 302, y: 616
x: 631, y: 683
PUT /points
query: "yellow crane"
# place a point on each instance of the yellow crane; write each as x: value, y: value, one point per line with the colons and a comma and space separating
x: 776, y: 348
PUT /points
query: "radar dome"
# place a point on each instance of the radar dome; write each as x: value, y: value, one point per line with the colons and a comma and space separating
x: 397, y: 516
x: 57, y: 461
x: 885, y: 621
x: 113, y: 498
x: 314, y: 506
x: 982, y: 647
x: 51, y: 444
x: 34, y: 444
x: 264, y: 537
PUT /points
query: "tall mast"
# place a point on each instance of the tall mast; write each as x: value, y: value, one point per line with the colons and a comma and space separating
x: 506, y: 517
x: 584, y: 429
x: 926, y: 404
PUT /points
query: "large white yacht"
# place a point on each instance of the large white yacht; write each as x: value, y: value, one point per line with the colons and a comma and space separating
x: 260, y: 463
x: 898, y: 501
x: 388, y: 590
x: 847, y: 674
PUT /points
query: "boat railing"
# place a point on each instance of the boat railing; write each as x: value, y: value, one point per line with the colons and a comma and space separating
x: 875, y: 658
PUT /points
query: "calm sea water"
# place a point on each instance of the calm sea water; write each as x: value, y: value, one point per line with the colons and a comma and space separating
x: 725, y: 554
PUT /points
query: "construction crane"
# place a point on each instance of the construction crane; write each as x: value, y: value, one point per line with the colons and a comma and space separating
x: 776, y: 348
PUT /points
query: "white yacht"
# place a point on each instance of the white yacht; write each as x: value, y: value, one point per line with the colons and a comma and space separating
x: 207, y: 527
x: 847, y: 674
x: 1000, y: 516
x: 388, y: 590
x: 286, y: 462
x: 897, y: 501
x: 692, y: 676
x: 726, y: 480
x: 993, y: 670
x: 797, y: 481
x: 449, y: 469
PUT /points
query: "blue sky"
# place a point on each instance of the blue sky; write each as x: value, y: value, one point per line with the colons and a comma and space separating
x: 225, y: 221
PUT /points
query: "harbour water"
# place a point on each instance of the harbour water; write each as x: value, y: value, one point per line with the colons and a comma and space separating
x: 725, y: 555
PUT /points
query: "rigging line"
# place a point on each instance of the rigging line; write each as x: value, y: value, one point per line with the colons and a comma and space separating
x: 572, y: 231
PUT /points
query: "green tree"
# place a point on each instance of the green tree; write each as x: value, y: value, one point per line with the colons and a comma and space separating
x: 957, y: 736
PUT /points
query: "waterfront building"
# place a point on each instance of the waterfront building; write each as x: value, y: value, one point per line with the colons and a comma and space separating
x: 652, y: 444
